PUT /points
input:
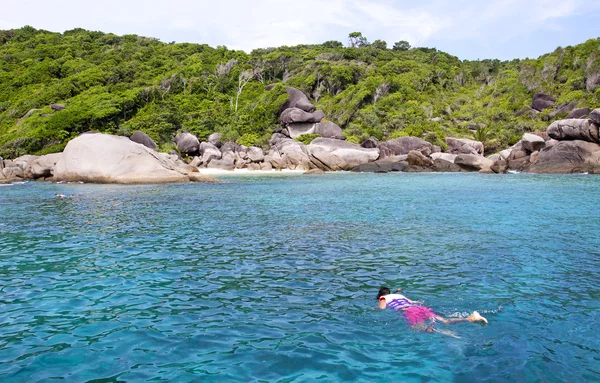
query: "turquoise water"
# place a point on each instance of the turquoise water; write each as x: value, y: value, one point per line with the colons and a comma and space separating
x: 273, y: 278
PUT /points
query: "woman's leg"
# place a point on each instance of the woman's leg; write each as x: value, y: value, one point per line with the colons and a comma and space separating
x: 474, y: 317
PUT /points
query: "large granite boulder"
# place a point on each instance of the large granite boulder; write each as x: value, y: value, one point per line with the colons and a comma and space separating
x: 595, y: 116
x: 297, y: 115
x: 443, y: 166
x: 324, y: 129
x: 104, y: 158
x: 403, y: 145
x: 286, y: 153
x: 384, y: 165
x: 187, y: 143
x: 215, y: 139
x: 255, y: 154
x: 297, y: 99
x: 142, y: 138
x: 331, y: 154
x: 542, y: 101
x: 575, y: 156
x: 574, y: 129
x: 532, y: 142
x: 209, y: 152
x: 43, y: 166
x: 416, y: 158
x: 444, y: 156
x: 579, y: 113
x: 473, y: 162
x: 464, y: 146
x: 221, y: 164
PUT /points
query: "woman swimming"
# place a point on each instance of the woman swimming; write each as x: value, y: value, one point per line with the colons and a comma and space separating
x: 417, y: 315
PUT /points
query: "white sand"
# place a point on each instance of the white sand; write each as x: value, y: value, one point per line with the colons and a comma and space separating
x: 246, y: 172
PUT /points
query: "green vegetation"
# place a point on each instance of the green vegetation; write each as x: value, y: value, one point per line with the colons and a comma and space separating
x: 119, y: 84
x: 307, y: 138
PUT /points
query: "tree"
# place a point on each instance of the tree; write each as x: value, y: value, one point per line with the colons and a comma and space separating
x: 333, y: 44
x: 401, y: 45
x: 356, y: 40
x: 243, y: 79
x: 379, y: 44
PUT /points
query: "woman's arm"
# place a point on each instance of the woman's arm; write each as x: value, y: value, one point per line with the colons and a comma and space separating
x: 382, y: 305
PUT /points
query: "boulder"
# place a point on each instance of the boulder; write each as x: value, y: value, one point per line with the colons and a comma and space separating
x: 297, y: 115
x: 542, y: 101
x: 57, y: 107
x: 444, y: 156
x: 473, y: 162
x: 575, y: 156
x: 444, y: 166
x: 324, y: 129
x: 416, y: 158
x: 500, y: 166
x: 385, y: 165
x: 595, y: 116
x: 222, y: 164
x: 288, y: 153
x: 574, y: 129
x: 104, y: 158
x: 331, y: 154
x: 266, y: 166
x: 209, y: 152
x: 564, y: 108
x: 579, y: 113
x: 329, y: 130
x: 253, y: 166
x: 187, y: 143
x: 532, y: 142
x: 43, y: 166
x: 255, y: 154
x: 464, y: 146
x: 370, y: 143
x: 527, y: 112
x: 144, y: 139
x: 403, y: 145
x: 297, y: 99
x: 215, y: 139
x: 505, y: 153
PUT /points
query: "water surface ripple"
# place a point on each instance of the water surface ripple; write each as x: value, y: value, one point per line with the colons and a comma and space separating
x: 272, y: 278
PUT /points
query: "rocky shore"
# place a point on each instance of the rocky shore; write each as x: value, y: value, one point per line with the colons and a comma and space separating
x: 571, y: 145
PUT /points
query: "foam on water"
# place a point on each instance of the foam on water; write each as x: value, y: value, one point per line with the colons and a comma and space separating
x: 273, y: 278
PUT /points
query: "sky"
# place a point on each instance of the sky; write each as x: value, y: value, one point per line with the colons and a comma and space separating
x: 468, y: 29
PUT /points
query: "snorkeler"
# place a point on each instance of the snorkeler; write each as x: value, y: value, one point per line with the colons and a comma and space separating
x: 417, y: 315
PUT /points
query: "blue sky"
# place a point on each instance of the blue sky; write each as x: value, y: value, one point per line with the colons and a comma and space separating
x: 468, y: 29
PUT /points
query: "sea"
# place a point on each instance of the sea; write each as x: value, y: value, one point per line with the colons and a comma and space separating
x: 273, y: 277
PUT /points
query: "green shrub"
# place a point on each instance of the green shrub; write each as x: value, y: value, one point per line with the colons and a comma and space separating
x: 307, y: 138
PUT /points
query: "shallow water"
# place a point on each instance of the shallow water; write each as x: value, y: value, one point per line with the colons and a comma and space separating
x: 273, y: 278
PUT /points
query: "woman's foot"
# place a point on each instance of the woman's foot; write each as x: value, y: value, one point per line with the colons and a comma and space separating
x: 476, y: 317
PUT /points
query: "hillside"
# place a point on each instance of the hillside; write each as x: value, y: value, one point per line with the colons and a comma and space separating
x: 119, y: 84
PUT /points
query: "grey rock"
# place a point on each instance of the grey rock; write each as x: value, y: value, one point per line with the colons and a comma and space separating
x: 314, y: 171
x: 209, y: 152
x: 215, y: 139
x: 444, y: 156
x: 444, y: 166
x: 528, y: 112
x: 266, y: 166
x: 542, y: 101
x: 43, y: 166
x: 297, y: 99
x: 329, y: 130
x: 564, y: 108
x: 464, y: 146
x: 579, y: 113
x: 290, y: 154
x: 222, y: 164
x: 142, y: 138
x: 403, y: 145
x: 385, y: 165
x: 473, y: 162
x: 297, y: 115
x: 500, y: 166
x: 531, y: 142
x: 575, y: 156
x: 332, y: 154
x: 57, y: 107
x: 595, y: 116
x: 187, y: 143
x: 370, y: 143
x: 104, y: 158
x: 253, y: 166
x: 255, y: 154
x: 574, y: 129
x: 505, y: 153
x: 416, y: 158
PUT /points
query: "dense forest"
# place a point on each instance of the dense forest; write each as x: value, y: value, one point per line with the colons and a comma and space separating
x: 120, y: 84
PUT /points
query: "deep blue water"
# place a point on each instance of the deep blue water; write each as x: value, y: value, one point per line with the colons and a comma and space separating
x: 273, y: 278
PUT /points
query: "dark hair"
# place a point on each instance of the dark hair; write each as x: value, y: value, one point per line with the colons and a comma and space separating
x: 383, y: 291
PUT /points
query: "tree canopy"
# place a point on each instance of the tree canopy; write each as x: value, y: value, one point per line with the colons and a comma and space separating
x: 119, y: 84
